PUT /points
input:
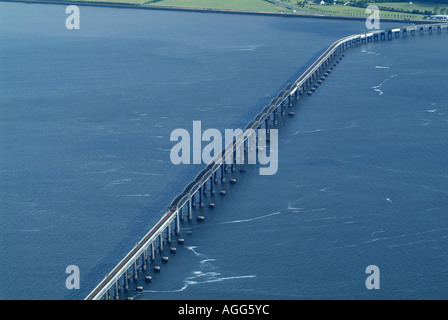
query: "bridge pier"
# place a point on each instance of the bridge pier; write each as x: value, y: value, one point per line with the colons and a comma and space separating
x: 223, y: 179
x: 116, y: 290
x: 190, y: 211
x: 233, y: 166
x: 201, y: 193
x: 178, y: 222
x: 389, y: 34
x: 212, y: 186
x: 153, y: 251
x: 144, y: 257
x: 135, y: 275
x: 161, y: 242
x: 168, y: 234
x: 126, y: 281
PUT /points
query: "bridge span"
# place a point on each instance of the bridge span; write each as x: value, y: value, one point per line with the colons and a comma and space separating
x: 215, y: 172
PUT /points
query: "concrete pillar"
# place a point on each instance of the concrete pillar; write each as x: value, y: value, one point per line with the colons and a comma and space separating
x: 144, y: 256
x: 117, y: 285
x: 168, y: 233
x: 161, y: 242
x: 212, y: 186
x: 126, y: 281
x: 223, y: 169
x: 178, y: 222
x: 153, y: 252
x: 135, y: 271
x: 190, y: 211
x: 201, y: 203
x: 233, y: 167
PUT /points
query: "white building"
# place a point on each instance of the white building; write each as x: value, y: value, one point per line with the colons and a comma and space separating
x: 439, y: 17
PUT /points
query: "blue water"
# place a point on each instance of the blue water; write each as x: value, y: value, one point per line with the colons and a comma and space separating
x: 85, y: 171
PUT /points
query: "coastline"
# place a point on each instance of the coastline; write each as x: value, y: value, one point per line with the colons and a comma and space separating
x: 216, y: 11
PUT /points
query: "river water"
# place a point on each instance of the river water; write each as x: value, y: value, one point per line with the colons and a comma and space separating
x: 85, y: 124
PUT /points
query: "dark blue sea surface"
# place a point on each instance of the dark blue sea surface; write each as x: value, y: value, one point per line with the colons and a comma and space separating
x: 85, y: 123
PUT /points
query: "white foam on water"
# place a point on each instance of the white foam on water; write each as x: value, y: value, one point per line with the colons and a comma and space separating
x: 119, y: 181
x: 192, y: 248
x: 435, y: 209
x: 200, y: 277
x: 377, y: 88
x: 326, y: 189
x: 306, y: 132
x: 379, y: 231
x: 253, y: 219
x: 206, y: 260
x: 142, y: 173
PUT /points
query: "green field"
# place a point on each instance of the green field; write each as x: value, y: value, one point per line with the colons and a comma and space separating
x: 408, y: 7
x: 391, y: 10
x: 236, y: 5
x: 341, y: 10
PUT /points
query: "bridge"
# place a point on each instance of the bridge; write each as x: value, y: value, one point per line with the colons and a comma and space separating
x: 215, y: 172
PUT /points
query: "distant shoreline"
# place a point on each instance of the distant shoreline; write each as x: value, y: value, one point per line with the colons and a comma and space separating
x: 133, y: 6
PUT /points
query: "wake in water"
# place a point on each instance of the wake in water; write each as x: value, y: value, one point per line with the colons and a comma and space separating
x: 232, y: 222
x: 378, y: 87
x: 200, y: 277
x: 352, y: 125
x: 252, y: 219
